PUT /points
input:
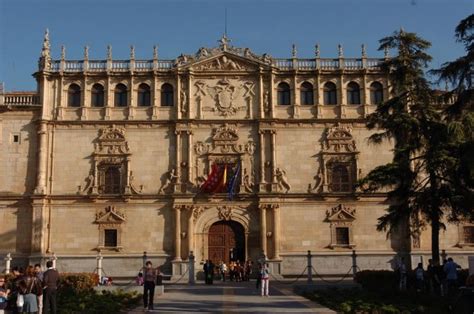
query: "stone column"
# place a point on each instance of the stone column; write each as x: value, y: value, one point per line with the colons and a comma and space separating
x: 263, y: 228
x: 190, y: 156
x: 272, y: 95
x: 132, y: 101
x: 296, y: 96
x: 190, y: 229
x: 42, y: 158
x: 85, y: 98
x: 109, y: 100
x: 191, y: 113
x: 262, y: 160
x: 276, y: 231
x: 177, y: 97
x: 177, y: 236
x: 156, y: 96
x: 178, y: 161
x: 274, y: 160
x: 260, y: 94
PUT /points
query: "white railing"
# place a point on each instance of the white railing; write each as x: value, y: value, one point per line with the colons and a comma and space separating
x: 120, y: 65
x: 97, y: 65
x: 329, y: 64
x: 73, y: 66
x: 143, y: 65
x: 164, y: 65
x: 22, y: 99
x: 353, y: 64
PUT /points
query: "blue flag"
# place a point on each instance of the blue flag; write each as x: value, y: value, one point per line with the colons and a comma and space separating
x: 232, y: 182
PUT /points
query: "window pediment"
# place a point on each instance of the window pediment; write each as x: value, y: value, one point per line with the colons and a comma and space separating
x: 109, y: 215
x: 340, y: 213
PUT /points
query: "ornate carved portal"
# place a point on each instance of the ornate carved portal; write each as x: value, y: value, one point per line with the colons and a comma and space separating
x: 225, y: 149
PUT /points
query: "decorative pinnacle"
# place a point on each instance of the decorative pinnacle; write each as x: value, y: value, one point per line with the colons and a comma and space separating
x: 155, y: 52
x: 224, y: 42
x: 340, y: 51
x: 132, y: 52
x: 386, y: 53
x: 316, y: 51
x: 109, y: 52
x: 86, y: 52
x: 293, y: 51
x: 45, y: 51
x: 364, y: 53
x: 63, y: 52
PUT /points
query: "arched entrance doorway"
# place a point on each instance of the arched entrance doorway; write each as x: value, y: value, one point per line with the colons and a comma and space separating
x: 226, y: 242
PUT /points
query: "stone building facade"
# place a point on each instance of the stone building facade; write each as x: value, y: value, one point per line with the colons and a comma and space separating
x: 108, y: 157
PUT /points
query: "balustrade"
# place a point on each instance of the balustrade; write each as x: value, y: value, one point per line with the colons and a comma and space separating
x: 18, y: 99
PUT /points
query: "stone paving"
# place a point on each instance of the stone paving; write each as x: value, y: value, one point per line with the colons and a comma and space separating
x: 232, y: 297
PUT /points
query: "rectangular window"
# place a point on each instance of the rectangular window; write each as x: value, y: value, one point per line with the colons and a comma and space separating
x: 110, y: 237
x: 16, y: 138
x: 342, y: 236
x: 469, y: 234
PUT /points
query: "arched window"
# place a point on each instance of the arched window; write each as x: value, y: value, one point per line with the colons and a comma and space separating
x: 111, y: 180
x: 74, y: 95
x: 340, y: 181
x: 306, y: 93
x: 143, y: 95
x: 353, y: 93
x: 121, y: 96
x: 284, y: 97
x: 167, y: 95
x: 376, y: 93
x: 330, y: 93
x: 97, y: 95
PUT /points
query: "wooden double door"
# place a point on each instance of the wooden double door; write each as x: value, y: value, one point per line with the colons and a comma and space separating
x: 226, y: 242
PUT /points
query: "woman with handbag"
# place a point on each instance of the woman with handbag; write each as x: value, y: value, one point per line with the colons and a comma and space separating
x: 29, y: 290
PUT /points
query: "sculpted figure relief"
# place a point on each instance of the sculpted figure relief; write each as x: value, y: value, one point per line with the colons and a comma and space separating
x: 170, y: 179
x: 282, y: 180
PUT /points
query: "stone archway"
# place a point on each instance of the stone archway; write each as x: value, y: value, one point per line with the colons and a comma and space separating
x: 226, y: 242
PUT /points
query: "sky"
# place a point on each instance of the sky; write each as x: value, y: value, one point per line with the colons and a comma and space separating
x: 182, y: 26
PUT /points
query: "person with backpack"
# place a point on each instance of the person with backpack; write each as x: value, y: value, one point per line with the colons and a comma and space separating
x: 265, y: 278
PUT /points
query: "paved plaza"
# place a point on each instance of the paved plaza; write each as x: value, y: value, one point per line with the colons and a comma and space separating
x: 232, y: 297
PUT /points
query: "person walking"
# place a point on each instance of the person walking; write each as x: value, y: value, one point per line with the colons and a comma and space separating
x: 4, y: 293
x: 39, y: 276
x: 420, y: 277
x: 451, y: 271
x: 30, y: 288
x: 150, y: 274
x: 265, y: 280
x: 223, y: 270
x: 402, y: 271
x: 50, y: 289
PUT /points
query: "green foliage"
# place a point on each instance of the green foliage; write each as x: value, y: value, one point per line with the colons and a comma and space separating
x: 378, y: 301
x: 90, y: 301
x: 78, y: 282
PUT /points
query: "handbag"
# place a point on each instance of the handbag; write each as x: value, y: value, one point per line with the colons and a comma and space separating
x: 20, y: 300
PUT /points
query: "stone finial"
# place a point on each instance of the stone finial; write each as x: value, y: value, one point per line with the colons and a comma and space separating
x: 364, y: 52
x: 44, y: 62
x: 63, y: 53
x: 109, y: 52
x: 46, y: 50
x: 293, y: 51
x: 132, y: 52
x: 317, y: 52
x: 224, y: 42
x: 155, y: 52
x: 340, y: 51
x: 386, y: 53
x: 86, y: 52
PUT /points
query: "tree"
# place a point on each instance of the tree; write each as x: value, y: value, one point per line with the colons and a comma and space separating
x: 460, y: 120
x: 420, y: 191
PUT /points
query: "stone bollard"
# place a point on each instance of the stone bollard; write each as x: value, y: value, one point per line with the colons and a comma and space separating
x: 144, y: 259
x: 354, y: 264
x: 191, y: 268
x: 54, y: 259
x: 8, y: 260
x: 310, y: 267
x: 99, y: 265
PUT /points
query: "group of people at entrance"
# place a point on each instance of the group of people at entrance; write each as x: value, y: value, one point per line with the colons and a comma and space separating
x: 237, y: 272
